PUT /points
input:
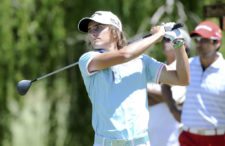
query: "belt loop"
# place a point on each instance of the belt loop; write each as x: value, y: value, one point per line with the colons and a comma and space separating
x: 103, y: 141
x: 132, y: 141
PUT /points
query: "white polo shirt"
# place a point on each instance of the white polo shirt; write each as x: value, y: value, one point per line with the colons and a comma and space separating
x: 204, y: 106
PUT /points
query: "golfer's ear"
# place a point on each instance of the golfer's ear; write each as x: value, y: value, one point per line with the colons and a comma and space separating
x: 113, y: 32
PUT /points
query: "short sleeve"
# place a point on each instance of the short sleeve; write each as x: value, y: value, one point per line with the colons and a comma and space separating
x: 153, y: 68
x: 84, y: 61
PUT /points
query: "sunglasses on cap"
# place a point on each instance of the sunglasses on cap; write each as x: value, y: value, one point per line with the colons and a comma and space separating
x: 202, y: 40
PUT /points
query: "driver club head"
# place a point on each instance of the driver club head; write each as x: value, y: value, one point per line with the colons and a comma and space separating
x: 23, y: 86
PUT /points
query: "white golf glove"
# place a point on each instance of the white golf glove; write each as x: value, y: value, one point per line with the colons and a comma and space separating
x: 174, y: 34
x: 168, y: 26
x: 175, y: 37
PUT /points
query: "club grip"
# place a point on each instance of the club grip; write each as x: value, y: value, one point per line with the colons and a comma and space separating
x: 177, y: 25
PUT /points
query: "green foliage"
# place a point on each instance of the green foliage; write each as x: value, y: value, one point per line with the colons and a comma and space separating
x: 39, y: 36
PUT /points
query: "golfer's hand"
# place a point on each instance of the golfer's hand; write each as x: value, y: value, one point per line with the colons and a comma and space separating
x: 175, y: 37
x: 159, y: 30
x: 174, y: 34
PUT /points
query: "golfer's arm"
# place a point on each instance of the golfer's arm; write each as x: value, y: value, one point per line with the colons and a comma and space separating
x: 182, y: 65
x: 127, y: 53
x: 181, y: 75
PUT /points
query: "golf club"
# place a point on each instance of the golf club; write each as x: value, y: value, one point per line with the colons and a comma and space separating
x: 24, y: 85
x: 177, y: 25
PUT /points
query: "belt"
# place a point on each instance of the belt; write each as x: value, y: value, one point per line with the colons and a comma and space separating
x: 216, y: 131
x: 120, y: 142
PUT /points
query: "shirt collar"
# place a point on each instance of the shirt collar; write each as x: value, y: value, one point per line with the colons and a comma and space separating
x: 100, y: 50
x: 217, y: 63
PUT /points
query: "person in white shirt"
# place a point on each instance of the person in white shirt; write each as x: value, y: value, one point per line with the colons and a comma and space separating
x: 203, y: 113
x: 165, y: 102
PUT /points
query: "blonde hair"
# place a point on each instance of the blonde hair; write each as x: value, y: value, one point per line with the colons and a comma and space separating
x: 119, y: 36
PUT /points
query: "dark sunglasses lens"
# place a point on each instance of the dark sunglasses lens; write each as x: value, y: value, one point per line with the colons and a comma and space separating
x: 201, y: 40
x: 96, y: 29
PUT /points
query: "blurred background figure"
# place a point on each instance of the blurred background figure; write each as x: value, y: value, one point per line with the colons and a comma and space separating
x: 166, y: 100
x: 203, y: 114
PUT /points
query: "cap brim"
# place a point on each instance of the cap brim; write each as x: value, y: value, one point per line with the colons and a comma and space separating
x: 203, y: 34
x: 83, y: 24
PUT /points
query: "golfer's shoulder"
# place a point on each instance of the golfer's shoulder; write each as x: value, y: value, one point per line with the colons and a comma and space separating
x: 146, y: 57
x: 87, y: 56
x: 148, y: 60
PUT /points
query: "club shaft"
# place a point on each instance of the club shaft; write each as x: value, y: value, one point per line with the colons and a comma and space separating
x: 177, y: 25
x: 54, y: 72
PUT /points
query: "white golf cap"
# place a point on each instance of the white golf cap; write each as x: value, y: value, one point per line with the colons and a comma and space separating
x: 102, y: 17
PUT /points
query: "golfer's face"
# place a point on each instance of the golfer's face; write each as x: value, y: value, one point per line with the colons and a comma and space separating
x: 99, y: 35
